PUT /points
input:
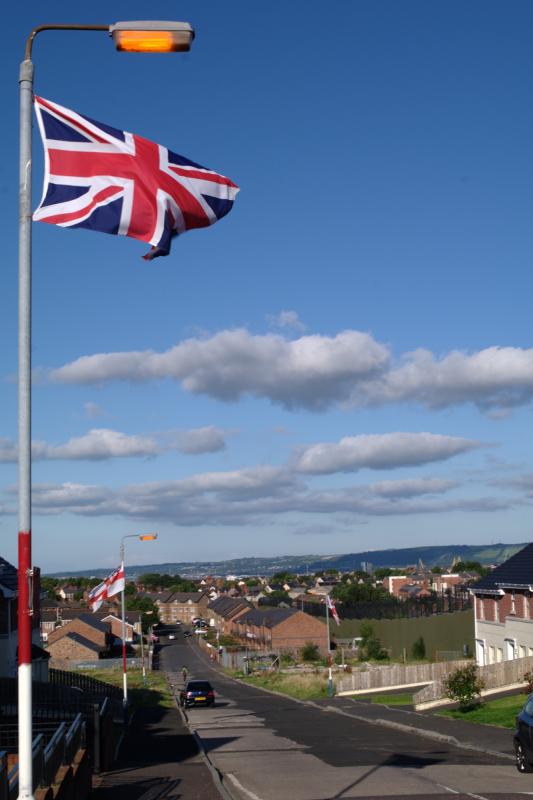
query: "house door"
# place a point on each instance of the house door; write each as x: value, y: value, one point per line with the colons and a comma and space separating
x: 480, y: 652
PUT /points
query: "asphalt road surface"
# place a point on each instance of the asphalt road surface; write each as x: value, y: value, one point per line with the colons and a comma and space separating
x: 268, y: 747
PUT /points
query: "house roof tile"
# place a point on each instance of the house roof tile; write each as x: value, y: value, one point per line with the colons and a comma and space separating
x: 516, y: 571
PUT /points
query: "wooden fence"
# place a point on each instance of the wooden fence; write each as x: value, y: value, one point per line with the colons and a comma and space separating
x: 373, y: 676
x: 494, y: 676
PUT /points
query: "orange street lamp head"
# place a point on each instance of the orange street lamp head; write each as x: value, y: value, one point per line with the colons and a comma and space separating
x: 148, y: 537
x: 152, y: 36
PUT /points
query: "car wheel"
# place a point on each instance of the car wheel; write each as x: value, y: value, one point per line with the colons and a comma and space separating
x: 522, y: 764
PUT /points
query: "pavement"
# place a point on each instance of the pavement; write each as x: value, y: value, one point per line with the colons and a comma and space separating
x: 158, y: 758
x: 488, y: 739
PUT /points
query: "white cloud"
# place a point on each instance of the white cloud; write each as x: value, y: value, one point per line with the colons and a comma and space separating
x: 496, y: 378
x: 309, y: 372
x: 253, y: 496
x: 379, y: 451
x: 8, y: 451
x: 200, y: 440
x: 315, y: 372
x: 93, y: 410
x: 102, y: 443
x: 286, y: 319
x: 412, y: 487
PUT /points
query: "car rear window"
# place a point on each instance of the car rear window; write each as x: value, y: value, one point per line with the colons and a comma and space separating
x: 198, y: 686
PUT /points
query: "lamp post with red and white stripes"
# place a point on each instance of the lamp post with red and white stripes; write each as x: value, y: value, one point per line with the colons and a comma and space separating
x: 143, y: 537
x: 138, y: 36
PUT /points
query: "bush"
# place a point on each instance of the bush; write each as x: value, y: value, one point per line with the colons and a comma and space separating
x: 464, y: 686
x: 310, y: 652
x: 286, y: 659
x: 528, y: 677
x: 370, y: 646
x: 418, y: 650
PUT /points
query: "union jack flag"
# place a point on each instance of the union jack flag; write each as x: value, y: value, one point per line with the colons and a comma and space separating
x: 107, y: 180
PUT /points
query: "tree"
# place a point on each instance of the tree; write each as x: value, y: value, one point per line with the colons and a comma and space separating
x: 149, y: 611
x: 464, y: 685
x: 418, y: 650
x: 275, y: 598
x: 310, y: 652
x: 370, y: 646
x: 471, y: 566
x: 282, y: 577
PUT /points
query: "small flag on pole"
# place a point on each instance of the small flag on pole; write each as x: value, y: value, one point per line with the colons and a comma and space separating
x: 108, y: 180
x: 112, y: 585
x: 332, y: 609
x: 116, y: 581
x: 97, y: 596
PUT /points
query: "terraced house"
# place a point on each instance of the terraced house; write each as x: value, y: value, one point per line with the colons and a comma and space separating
x: 183, y: 606
x: 504, y: 610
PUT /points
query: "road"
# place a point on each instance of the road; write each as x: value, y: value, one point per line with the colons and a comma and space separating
x: 268, y: 747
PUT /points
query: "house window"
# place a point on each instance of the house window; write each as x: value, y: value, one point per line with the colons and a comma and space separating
x: 509, y: 649
x: 513, y: 602
x: 496, y: 611
x: 525, y: 600
x: 481, y: 608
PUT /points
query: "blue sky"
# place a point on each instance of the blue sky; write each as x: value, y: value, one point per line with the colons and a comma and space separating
x: 345, y: 361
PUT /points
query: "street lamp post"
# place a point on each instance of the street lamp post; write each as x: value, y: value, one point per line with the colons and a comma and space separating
x: 143, y: 537
x: 144, y: 36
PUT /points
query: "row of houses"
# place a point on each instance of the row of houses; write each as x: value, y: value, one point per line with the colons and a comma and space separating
x: 284, y: 629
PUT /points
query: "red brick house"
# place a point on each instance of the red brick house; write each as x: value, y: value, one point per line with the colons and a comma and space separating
x: 86, y: 626
x: 73, y: 647
x: 9, y: 623
x: 280, y: 629
x: 183, y: 606
x: 504, y: 610
x: 132, y: 626
x: 223, y: 611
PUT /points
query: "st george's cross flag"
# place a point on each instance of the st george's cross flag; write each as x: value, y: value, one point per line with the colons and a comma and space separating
x: 108, y: 180
x: 116, y: 582
x: 332, y: 609
x: 112, y: 585
x: 96, y: 596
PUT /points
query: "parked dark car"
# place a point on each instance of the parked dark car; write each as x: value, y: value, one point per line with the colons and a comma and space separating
x: 523, y: 737
x: 197, y: 693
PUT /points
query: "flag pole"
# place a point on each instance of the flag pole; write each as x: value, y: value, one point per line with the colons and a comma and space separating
x: 327, y: 627
x: 25, y: 592
x: 123, y: 604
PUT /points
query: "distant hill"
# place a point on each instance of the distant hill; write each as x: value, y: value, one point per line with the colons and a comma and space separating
x: 440, y: 555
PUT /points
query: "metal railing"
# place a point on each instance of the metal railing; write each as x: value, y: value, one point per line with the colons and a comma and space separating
x: 47, y: 758
x: 76, y: 680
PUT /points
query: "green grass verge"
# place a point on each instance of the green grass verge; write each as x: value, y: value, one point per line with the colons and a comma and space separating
x: 302, y: 687
x: 156, y: 692
x: 403, y: 699
x: 501, y: 712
